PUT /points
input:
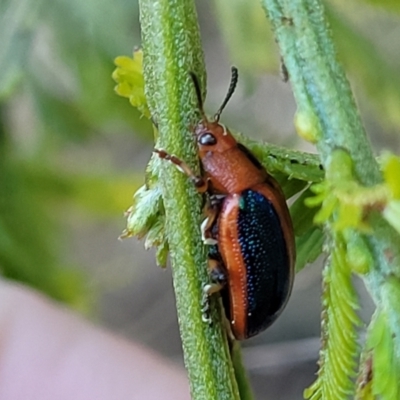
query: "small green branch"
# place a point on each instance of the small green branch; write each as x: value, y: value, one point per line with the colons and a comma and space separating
x: 327, y: 115
x: 172, y: 48
x: 319, y: 82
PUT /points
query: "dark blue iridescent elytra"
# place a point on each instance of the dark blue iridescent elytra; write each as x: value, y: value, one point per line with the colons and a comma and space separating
x: 266, y: 258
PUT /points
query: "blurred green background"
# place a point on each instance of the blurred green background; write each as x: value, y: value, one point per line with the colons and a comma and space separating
x: 72, y: 153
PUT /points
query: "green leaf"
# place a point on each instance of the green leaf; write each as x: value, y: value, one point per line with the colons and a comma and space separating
x: 293, y: 164
x: 392, y: 214
x: 358, y: 254
x: 302, y: 215
x: 385, y: 360
x: 391, y: 172
x: 309, y: 238
x: 308, y: 247
x: 339, y: 336
x: 145, y: 211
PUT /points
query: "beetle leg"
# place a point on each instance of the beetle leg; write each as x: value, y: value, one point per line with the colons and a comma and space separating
x: 206, y: 226
x: 217, y: 277
x: 199, y: 182
x: 211, y: 210
x: 218, y: 281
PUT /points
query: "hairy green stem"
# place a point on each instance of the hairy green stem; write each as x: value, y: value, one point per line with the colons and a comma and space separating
x: 172, y: 48
x: 323, y: 94
x: 319, y: 81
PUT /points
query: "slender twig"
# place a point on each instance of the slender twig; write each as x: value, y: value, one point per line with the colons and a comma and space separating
x: 323, y: 95
x: 172, y: 49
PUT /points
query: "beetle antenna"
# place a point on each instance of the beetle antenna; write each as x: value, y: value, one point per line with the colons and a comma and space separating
x: 232, y: 87
x: 196, y: 84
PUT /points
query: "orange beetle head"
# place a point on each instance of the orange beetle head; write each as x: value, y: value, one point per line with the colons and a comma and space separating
x: 211, y: 136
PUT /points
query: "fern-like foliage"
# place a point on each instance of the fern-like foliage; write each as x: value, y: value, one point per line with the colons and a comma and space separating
x: 339, y: 329
x: 345, y: 207
x: 383, y: 377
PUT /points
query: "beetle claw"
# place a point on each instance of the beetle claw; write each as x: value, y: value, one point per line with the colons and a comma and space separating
x: 205, y: 307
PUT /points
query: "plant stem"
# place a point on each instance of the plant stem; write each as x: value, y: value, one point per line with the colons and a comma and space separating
x: 319, y: 81
x: 172, y: 48
x: 323, y: 93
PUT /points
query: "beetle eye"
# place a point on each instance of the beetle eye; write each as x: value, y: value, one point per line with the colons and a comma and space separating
x: 207, y: 139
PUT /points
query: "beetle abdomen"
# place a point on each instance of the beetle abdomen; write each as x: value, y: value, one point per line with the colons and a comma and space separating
x: 257, y: 261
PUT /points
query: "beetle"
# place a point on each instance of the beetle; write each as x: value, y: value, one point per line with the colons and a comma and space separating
x: 247, y: 226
